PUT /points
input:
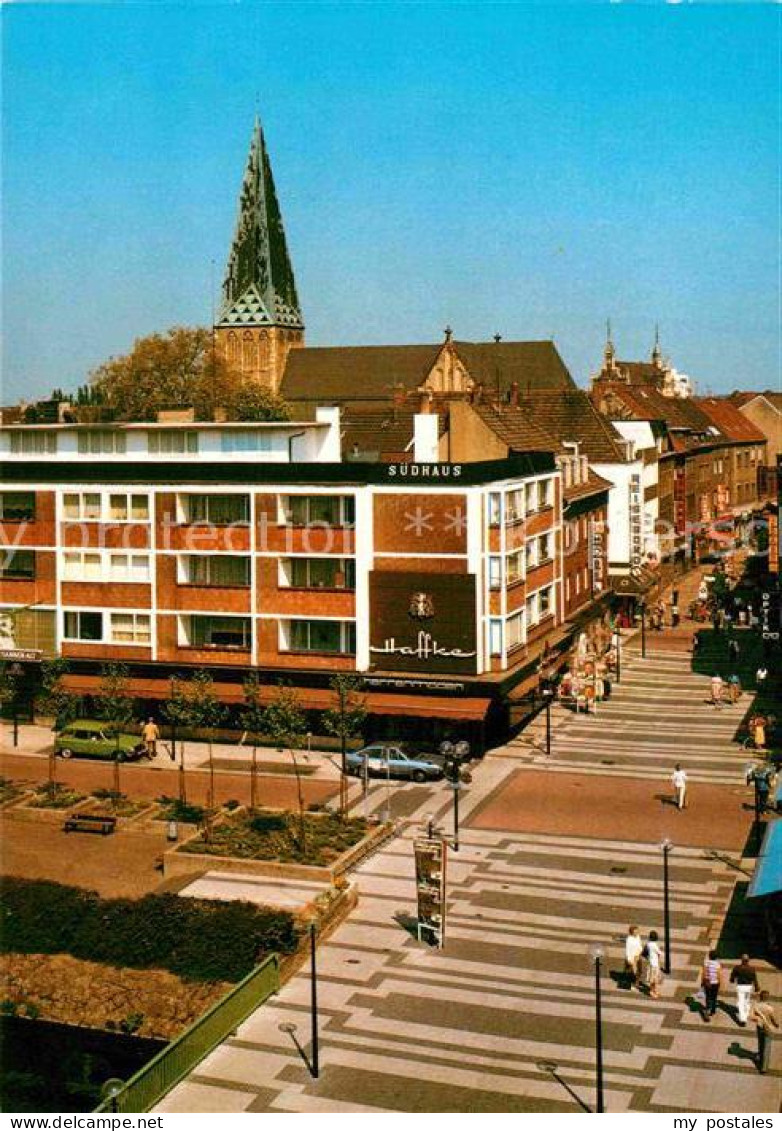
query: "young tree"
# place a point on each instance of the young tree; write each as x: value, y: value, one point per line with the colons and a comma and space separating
x: 252, y: 719
x: 204, y: 711
x: 345, y: 720
x: 284, y: 722
x: 175, y: 711
x: 56, y: 700
x: 115, y: 707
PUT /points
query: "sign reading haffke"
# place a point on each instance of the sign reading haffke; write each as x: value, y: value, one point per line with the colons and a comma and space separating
x: 423, y: 622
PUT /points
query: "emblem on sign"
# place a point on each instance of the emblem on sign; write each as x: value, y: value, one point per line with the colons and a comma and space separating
x: 421, y: 606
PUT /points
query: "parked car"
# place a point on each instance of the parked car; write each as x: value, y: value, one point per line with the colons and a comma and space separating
x: 86, y: 738
x: 394, y: 760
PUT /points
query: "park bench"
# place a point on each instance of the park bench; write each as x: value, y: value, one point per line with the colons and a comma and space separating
x: 90, y: 823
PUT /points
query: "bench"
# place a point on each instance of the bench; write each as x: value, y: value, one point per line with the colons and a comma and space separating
x: 90, y: 823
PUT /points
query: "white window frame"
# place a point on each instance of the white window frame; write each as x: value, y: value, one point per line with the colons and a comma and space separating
x: 141, y: 634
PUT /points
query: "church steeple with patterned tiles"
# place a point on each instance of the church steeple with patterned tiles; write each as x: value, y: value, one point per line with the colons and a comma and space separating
x: 260, y: 319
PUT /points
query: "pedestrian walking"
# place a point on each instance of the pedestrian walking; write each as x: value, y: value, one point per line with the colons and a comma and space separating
x: 633, y: 948
x: 745, y: 978
x: 651, y: 957
x: 711, y: 980
x: 716, y: 689
x: 679, y: 782
x: 150, y: 734
x: 761, y: 675
x: 766, y: 1023
x: 696, y: 643
x: 734, y: 651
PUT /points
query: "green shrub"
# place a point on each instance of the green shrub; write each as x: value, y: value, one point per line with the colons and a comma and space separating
x: 201, y: 940
x: 176, y: 810
x: 268, y: 823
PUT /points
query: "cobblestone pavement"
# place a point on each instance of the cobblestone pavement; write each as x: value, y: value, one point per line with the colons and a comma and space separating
x: 478, y: 1025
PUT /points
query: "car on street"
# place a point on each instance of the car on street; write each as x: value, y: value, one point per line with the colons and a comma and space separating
x: 86, y: 738
x: 395, y: 760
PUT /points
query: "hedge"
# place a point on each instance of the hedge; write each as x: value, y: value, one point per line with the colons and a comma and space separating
x: 199, y: 939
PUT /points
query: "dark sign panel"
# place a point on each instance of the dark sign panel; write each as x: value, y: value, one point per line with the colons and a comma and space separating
x: 422, y: 622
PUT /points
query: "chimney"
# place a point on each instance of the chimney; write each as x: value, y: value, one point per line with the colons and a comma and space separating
x: 426, y: 436
x: 514, y: 394
x: 425, y: 404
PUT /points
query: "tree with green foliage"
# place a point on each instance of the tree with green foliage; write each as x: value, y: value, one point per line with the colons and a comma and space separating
x: 204, y: 711
x: 175, y: 712
x: 345, y: 720
x: 252, y: 719
x: 180, y: 368
x: 284, y: 722
x: 57, y: 700
x: 114, y: 706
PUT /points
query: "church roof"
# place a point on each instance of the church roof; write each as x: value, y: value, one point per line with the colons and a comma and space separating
x: 259, y: 288
x: 372, y: 372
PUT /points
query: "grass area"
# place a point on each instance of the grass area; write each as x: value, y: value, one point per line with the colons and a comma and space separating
x: 10, y: 789
x: 172, y: 809
x: 107, y: 800
x: 262, y: 835
x: 197, y: 939
x: 55, y: 796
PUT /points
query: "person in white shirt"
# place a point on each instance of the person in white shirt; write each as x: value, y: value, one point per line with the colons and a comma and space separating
x: 679, y: 781
x: 654, y: 970
x: 633, y: 948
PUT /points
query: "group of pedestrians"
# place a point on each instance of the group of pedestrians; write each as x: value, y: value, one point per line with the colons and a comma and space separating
x: 752, y: 1003
x: 643, y: 961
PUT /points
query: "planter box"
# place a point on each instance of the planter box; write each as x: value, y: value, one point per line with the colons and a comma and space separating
x: 177, y: 863
x: 26, y: 812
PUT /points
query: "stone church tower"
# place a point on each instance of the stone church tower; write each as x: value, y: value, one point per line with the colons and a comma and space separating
x: 259, y: 319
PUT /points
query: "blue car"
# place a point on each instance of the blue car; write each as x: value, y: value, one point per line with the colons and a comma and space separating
x: 393, y: 759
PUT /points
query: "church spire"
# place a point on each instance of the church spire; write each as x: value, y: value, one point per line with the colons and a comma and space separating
x: 260, y: 318
x: 259, y: 288
x: 657, y: 354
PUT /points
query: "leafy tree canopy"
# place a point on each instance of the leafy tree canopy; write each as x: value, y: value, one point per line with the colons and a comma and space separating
x: 180, y: 368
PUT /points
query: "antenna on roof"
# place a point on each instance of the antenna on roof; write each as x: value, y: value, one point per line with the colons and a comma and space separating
x: 497, y: 340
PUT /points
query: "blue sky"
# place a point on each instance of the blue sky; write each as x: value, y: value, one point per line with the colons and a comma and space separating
x: 521, y: 169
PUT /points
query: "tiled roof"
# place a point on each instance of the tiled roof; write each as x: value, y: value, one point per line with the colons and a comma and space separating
x: 339, y: 373
x: 569, y: 415
x: 741, y: 398
x: 516, y: 426
x: 730, y: 421
x: 646, y: 403
x: 641, y: 372
x: 594, y: 484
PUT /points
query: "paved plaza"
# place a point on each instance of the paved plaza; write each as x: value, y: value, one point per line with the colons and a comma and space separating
x: 502, y: 1019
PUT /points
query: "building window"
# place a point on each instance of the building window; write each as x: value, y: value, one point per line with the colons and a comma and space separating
x: 249, y: 441
x: 319, y: 636
x: 82, y: 508
x: 495, y: 637
x: 531, y: 553
x: 129, y: 567
x: 220, y: 632
x: 319, y: 573
x: 514, y: 506
x: 545, y: 543
x: 495, y: 573
x: 545, y: 494
x: 83, y: 626
x: 172, y: 442
x: 320, y: 510
x: 102, y: 442
x: 130, y: 628
x: 495, y: 508
x: 17, y: 565
x: 219, y: 570
x: 33, y: 443
x: 81, y: 566
x: 544, y: 602
x: 530, y: 498
x: 514, y: 564
x: 128, y: 508
x: 515, y: 631
x: 531, y: 607
x: 220, y: 510
x: 17, y: 506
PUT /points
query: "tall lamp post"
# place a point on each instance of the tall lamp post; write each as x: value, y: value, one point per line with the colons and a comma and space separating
x: 15, y: 671
x: 596, y: 955
x: 643, y: 630
x: 315, y: 1069
x: 618, y: 637
x: 548, y: 695
x: 751, y: 774
x: 666, y: 846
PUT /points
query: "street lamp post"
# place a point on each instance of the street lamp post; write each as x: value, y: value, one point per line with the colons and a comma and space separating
x: 618, y: 656
x: 596, y: 955
x: 751, y: 775
x: 666, y: 846
x: 314, y: 1002
x: 548, y: 695
x: 15, y: 671
x: 643, y: 630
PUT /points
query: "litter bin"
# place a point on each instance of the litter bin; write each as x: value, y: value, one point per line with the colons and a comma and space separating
x: 173, y: 831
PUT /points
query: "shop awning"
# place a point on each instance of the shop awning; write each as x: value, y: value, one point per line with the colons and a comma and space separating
x: 636, y: 583
x: 310, y: 698
x: 767, y: 877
